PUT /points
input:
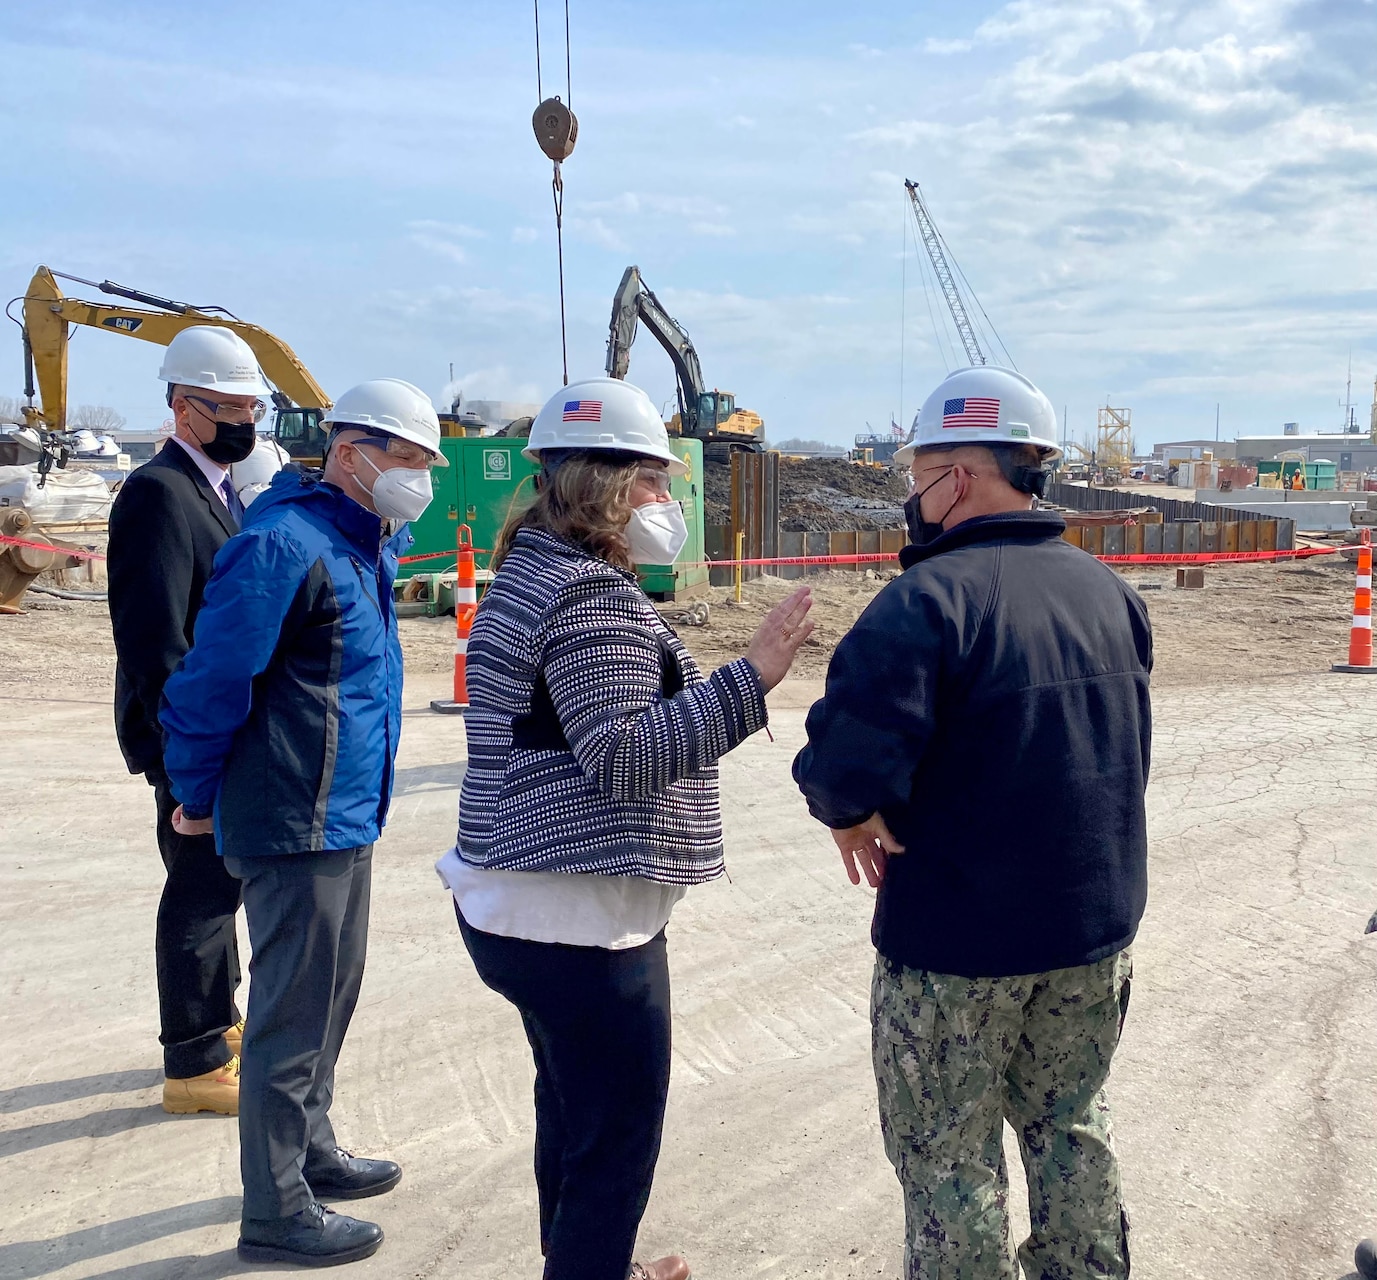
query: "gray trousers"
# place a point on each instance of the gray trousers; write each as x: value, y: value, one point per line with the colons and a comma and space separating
x: 308, y: 925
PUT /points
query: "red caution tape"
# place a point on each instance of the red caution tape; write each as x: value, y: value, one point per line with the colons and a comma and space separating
x: 869, y: 558
x: 6, y: 540
x: 1224, y: 557
x: 1200, y: 557
x: 439, y: 555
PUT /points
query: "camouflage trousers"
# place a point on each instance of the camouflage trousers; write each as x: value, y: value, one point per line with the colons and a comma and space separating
x: 956, y: 1057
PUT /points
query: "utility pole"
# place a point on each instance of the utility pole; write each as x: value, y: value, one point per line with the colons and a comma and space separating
x: 1063, y: 431
x: 1216, y: 422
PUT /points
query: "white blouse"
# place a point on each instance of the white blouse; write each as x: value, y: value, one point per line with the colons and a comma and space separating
x: 581, y: 910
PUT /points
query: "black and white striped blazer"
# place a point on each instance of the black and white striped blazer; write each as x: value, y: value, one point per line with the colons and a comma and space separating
x: 593, y: 736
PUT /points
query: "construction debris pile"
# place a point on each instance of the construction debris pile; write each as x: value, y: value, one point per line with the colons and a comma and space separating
x: 819, y: 494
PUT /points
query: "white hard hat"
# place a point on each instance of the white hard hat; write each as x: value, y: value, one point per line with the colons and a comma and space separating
x: 214, y: 358
x: 984, y: 405
x: 393, y: 406
x: 602, y: 413
x: 252, y: 475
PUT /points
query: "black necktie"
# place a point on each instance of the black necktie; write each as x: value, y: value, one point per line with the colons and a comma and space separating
x: 236, y: 508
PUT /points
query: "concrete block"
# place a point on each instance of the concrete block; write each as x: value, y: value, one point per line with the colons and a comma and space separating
x: 1191, y: 579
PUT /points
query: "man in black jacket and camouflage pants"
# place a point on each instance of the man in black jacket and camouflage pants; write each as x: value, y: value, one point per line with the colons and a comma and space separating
x: 981, y: 754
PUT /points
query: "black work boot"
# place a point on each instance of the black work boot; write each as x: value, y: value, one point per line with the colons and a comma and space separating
x: 1365, y: 1259
x: 315, y: 1237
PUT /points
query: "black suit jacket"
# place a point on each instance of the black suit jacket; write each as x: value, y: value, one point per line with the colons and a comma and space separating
x: 165, y: 527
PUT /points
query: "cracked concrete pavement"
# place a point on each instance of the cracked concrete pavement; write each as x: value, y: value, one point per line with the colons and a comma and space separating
x: 1244, y: 1088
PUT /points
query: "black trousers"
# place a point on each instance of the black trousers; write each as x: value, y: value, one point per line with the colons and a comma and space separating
x: 308, y: 926
x: 598, y: 1025
x: 197, y: 954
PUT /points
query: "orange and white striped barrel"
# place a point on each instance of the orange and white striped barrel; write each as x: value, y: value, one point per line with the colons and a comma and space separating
x: 1360, y: 634
x: 465, y: 606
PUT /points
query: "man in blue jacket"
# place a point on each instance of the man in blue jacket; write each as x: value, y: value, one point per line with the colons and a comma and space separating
x: 281, y: 729
x: 980, y: 754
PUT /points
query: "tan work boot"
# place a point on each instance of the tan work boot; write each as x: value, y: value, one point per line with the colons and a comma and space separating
x: 216, y: 1091
x: 234, y: 1037
x: 670, y: 1268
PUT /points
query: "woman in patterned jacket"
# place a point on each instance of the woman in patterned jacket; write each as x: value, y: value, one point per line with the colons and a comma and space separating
x: 590, y: 805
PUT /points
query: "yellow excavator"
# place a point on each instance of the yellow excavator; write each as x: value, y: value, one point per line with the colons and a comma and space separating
x: 710, y: 416
x: 49, y: 315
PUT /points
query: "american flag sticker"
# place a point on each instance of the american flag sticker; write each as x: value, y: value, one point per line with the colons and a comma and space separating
x: 970, y: 411
x: 588, y: 410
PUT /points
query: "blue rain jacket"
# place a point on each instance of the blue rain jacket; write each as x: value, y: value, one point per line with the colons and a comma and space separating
x: 283, y: 718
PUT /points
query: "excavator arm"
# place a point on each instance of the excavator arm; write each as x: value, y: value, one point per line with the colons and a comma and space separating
x: 48, y: 315
x: 634, y: 304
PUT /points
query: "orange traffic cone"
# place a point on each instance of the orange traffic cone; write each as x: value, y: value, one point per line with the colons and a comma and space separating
x: 1360, y: 635
x: 465, y: 606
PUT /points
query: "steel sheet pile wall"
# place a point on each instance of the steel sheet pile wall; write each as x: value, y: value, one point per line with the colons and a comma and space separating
x: 1187, y: 528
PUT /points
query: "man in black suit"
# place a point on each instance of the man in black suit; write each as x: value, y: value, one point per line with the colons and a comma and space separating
x: 168, y: 521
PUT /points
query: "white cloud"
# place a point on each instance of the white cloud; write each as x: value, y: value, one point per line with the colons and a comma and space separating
x: 524, y: 235
x: 943, y: 48
x: 596, y: 231
x: 440, y: 246
x: 452, y: 230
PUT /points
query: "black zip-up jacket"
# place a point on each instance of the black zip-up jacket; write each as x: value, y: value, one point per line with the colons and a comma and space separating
x: 992, y: 705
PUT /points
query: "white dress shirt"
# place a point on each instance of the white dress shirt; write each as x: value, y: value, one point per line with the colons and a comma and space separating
x: 212, y: 471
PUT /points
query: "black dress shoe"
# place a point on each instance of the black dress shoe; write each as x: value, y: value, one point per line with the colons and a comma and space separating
x: 315, y: 1237
x: 350, y: 1177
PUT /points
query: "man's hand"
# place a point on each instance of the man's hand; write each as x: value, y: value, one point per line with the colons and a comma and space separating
x: 867, y: 846
x: 185, y: 826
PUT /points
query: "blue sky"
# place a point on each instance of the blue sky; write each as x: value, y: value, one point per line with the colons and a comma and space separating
x: 1166, y: 204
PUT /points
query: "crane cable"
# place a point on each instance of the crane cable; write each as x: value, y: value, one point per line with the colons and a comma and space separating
x: 556, y: 130
x: 903, y: 308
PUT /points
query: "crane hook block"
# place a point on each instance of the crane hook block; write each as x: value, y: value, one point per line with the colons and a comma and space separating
x: 556, y: 129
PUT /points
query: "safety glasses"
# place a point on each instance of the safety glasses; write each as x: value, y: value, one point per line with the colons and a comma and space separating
x: 654, y: 478
x: 409, y: 455
x: 230, y: 412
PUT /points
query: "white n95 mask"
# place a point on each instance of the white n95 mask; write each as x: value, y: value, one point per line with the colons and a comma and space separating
x: 656, y: 533
x: 401, y: 493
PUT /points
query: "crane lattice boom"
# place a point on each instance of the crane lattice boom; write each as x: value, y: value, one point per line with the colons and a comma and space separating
x: 933, y: 243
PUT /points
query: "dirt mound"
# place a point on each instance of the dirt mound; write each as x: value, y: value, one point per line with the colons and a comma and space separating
x: 819, y: 494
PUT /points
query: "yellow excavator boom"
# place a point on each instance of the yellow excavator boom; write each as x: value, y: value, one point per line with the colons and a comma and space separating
x: 48, y: 313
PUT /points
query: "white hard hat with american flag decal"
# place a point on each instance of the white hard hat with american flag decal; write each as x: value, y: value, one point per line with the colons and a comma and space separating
x: 984, y: 405
x: 604, y: 414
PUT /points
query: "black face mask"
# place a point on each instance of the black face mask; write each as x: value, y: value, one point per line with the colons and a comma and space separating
x: 233, y: 442
x: 920, y: 531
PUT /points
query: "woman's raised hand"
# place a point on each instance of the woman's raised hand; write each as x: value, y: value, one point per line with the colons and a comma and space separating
x: 778, y: 638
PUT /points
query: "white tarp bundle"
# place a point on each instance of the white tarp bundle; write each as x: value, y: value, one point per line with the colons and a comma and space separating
x: 65, y: 495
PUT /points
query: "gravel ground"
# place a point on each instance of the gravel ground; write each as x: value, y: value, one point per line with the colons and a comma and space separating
x: 1250, y: 621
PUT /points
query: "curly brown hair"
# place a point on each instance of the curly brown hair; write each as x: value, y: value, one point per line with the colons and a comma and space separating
x: 587, y: 500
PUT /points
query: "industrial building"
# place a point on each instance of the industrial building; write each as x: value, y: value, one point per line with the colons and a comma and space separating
x: 1350, y: 452
x: 1220, y: 449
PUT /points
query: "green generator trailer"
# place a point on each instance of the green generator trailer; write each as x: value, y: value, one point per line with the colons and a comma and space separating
x: 487, y: 478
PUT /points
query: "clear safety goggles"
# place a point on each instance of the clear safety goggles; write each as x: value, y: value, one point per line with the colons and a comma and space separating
x: 408, y: 454
x: 654, y: 478
x: 221, y: 412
